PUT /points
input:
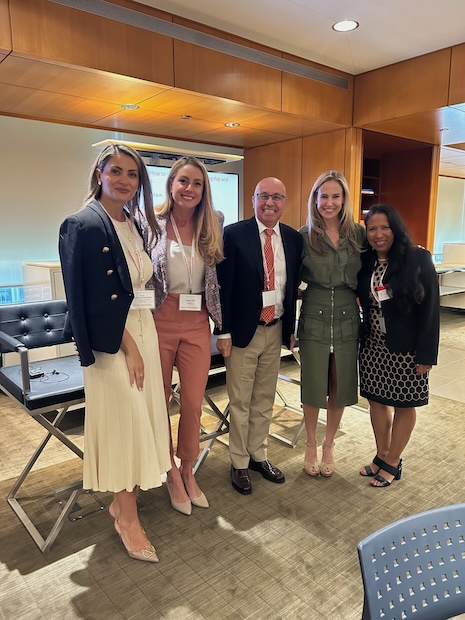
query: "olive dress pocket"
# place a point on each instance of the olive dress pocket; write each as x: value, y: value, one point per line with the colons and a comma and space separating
x: 312, y: 323
x: 349, y: 319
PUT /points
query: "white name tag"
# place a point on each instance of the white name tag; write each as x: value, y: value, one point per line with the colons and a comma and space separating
x: 269, y: 298
x: 190, y: 302
x: 143, y: 299
x: 383, y: 294
x: 382, y: 324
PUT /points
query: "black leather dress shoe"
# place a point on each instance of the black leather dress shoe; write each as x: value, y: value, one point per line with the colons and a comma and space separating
x: 267, y: 470
x: 241, y: 481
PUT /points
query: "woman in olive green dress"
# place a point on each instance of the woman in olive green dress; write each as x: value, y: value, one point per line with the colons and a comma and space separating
x: 329, y: 320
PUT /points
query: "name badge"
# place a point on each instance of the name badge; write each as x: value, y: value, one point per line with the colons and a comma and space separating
x: 382, y: 324
x: 192, y: 303
x: 269, y: 298
x: 383, y: 293
x: 143, y: 299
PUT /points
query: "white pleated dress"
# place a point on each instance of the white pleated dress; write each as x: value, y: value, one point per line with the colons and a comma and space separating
x: 126, y: 435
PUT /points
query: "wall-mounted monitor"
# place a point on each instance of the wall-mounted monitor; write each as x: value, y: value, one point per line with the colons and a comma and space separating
x: 225, y: 190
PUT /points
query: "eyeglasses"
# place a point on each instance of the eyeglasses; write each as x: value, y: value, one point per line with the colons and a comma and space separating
x: 264, y: 197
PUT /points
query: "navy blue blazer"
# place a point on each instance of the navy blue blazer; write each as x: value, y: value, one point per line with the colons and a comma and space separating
x: 241, y: 278
x: 97, y: 282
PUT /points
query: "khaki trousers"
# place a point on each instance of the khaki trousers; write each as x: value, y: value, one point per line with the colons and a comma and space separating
x: 251, y: 376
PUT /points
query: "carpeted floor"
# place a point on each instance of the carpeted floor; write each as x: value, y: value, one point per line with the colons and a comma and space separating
x: 285, y: 552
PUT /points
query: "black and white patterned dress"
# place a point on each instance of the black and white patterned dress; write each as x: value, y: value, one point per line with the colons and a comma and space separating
x: 385, y: 377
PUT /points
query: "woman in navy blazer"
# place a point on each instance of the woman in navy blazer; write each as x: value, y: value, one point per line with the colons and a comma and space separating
x: 126, y: 437
x: 399, y: 294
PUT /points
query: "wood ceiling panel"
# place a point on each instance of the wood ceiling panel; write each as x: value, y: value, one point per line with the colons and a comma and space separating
x: 457, y: 71
x: 149, y: 121
x: 241, y: 137
x: 295, y: 126
x: 426, y: 127
x: 96, y: 85
x: 6, y: 44
x: 178, y: 101
x: 45, y: 30
x: 52, y: 106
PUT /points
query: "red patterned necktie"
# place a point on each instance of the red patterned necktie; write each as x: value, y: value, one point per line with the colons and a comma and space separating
x: 267, y: 313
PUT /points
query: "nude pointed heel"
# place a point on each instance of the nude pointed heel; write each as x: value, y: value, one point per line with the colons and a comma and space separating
x: 327, y: 469
x: 311, y: 469
x: 147, y: 554
x: 184, y: 508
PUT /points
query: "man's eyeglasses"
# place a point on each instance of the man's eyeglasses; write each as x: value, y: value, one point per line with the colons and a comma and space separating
x: 264, y: 197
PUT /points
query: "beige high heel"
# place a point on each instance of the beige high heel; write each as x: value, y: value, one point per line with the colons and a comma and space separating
x: 184, y: 508
x: 147, y: 554
x: 327, y: 469
x: 311, y: 469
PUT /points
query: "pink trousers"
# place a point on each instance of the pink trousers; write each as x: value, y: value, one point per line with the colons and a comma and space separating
x: 185, y: 342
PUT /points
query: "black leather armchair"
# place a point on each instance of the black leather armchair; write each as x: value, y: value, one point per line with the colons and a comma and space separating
x: 52, y: 385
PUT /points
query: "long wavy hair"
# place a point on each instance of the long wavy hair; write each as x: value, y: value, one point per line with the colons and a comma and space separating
x: 315, y: 222
x: 405, y: 272
x: 144, y: 187
x: 207, y: 230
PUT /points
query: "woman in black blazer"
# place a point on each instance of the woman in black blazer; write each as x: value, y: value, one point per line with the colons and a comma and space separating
x: 399, y: 294
x: 105, y: 270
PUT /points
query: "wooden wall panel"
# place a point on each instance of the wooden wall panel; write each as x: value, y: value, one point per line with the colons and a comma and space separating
x: 457, y: 73
x: 325, y: 151
x: 407, y: 184
x: 353, y: 167
x: 87, y: 40
x: 317, y: 100
x: 5, y: 30
x: 417, y: 85
x: 207, y: 71
x: 281, y: 160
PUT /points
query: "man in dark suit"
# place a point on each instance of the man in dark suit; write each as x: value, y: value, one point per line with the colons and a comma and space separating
x: 258, y: 279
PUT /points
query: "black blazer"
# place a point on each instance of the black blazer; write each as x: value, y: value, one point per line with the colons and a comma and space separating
x: 97, y: 282
x: 241, y: 277
x: 416, y: 331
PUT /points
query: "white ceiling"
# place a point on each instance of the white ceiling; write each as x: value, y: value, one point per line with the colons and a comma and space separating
x: 390, y: 30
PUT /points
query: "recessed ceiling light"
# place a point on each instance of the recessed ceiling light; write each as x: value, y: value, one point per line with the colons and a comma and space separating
x: 345, y: 26
x: 444, y: 129
x: 232, y: 124
x: 129, y: 106
x: 185, y: 117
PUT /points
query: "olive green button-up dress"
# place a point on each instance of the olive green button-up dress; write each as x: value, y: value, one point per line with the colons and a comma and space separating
x: 329, y: 320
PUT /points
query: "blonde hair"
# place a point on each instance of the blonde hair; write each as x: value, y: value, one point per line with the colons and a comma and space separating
x: 315, y: 222
x: 207, y: 230
x: 95, y: 189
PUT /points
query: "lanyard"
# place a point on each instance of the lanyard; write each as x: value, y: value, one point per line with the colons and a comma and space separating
x: 189, y: 267
x: 381, y: 287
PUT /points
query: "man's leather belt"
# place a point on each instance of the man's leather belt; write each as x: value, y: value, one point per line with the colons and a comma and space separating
x: 273, y: 322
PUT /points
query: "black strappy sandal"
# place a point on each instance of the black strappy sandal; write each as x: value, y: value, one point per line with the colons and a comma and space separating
x: 394, y: 471
x: 367, y: 468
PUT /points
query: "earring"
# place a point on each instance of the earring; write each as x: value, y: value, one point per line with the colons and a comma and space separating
x: 99, y: 182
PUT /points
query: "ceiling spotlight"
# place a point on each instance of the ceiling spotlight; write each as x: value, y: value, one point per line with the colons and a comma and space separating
x: 186, y: 117
x: 129, y: 106
x: 444, y: 129
x: 345, y: 26
x: 232, y: 124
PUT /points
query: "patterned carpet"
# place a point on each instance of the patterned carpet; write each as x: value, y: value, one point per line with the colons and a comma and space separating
x: 285, y: 552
